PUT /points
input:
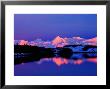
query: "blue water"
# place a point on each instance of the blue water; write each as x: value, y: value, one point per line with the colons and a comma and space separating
x: 76, y: 65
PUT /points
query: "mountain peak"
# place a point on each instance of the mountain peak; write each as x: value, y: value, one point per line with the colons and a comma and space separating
x: 57, y: 40
x: 58, y: 37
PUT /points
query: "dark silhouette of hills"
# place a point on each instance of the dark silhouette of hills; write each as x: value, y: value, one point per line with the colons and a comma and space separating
x: 26, y: 53
x: 35, y: 49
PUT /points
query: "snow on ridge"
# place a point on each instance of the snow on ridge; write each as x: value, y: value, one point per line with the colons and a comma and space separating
x: 20, y: 42
x: 92, y: 40
x: 58, y: 42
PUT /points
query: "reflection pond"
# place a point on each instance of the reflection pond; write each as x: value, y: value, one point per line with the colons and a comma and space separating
x: 78, y: 64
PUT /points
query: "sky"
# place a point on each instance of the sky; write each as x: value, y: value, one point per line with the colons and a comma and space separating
x: 48, y: 26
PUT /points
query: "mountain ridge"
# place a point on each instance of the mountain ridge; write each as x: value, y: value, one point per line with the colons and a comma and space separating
x: 58, y: 42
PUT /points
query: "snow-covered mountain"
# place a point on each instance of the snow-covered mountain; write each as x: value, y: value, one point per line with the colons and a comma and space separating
x: 20, y: 42
x: 58, y: 42
x: 92, y: 41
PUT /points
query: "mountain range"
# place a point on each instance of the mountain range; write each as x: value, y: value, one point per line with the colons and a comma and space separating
x: 58, y: 42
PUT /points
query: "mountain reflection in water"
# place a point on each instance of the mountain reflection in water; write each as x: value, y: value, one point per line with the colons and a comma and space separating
x: 78, y: 64
x: 63, y: 61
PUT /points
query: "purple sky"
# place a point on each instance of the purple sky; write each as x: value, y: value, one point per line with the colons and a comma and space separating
x: 48, y: 26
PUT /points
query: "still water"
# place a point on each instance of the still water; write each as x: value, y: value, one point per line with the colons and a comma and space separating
x: 77, y: 65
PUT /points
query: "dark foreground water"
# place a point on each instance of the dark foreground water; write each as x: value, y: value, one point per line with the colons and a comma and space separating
x: 77, y: 65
